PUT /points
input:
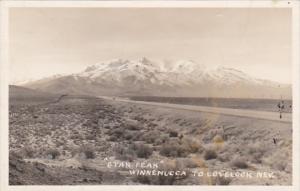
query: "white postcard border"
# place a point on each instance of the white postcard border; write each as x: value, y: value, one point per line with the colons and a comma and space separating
x: 4, y: 79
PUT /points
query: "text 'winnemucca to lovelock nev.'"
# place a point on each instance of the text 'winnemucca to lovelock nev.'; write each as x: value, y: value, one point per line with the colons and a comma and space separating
x: 162, y: 169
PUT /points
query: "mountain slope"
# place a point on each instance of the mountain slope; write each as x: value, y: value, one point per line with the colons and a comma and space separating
x: 18, y: 91
x: 161, y: 78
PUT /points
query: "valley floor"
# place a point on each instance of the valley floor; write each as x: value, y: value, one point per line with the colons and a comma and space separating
x: 96, y: 141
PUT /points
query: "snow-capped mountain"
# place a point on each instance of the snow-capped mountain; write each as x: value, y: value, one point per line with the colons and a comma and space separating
x: 161, y: 78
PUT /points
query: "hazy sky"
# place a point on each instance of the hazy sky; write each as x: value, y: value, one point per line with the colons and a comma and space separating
x: 46, y: 41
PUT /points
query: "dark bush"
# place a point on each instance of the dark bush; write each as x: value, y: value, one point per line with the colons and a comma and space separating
x: 125, y: 153
x: 53, y: 153
x: 88, y: 151
x: 106, y: 127
x: 142, y: 150
x: 192, y: 146
x: 173, y: 150
x: 90, y: 137
x: 132, y: 127
x: 128, y: 135
x: 173, y: 134
x: 239, y: 163
x: 151, y: 137
x: 117, y: 132
x: 210, y: 154
x: 137, y: 136
x: 113, y: 138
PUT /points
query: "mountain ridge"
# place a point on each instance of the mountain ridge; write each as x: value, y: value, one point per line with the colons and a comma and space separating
x: 121, y: 77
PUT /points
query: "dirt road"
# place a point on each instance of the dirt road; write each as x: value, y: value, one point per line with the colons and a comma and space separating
x: 273, y: 116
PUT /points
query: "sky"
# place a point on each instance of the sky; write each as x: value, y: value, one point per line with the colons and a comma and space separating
x: 48, y: 41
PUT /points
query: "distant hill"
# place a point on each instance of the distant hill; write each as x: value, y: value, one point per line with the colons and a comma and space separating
x: 19, y: 94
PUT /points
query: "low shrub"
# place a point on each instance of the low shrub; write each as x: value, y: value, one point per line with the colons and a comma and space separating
x: 239, y: 163
x: 218, y: 139
x: 190, y: 163
x: 113, y: 138
x: 257, y: 152
x: 142, y: 150
x: 196, y: 162
x: 192, y: 146
x: 88, y: 151
x: 221, y: 180
x: 128, y: 135
x: 125, y: 153
x: 90, y: 137
x: 210, y: 154
x: 173, y: 150
x: 53, y: 153
x: 173, y: 133
x: 59, y: 143
x: 133, y: 127
x: 118, y: 132
x: 137, y: 136
x: 163, y: 138
x: 279, y: 160
x: 151, y: 137
x: 106, y: 127
x: 76, y: 136
x: 27, y: 152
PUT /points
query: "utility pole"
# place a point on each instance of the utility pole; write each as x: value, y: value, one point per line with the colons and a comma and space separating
x: 280, y: 105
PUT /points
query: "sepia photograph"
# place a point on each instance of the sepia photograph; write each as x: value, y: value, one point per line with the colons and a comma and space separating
x: 150, y: 96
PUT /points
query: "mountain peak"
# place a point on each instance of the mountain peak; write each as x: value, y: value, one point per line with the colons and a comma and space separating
x: 143, y: 60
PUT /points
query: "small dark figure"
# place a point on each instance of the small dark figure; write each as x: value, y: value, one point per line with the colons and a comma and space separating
x: 278, y: 105
x: 274, y: 140
x: 181, y: 136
